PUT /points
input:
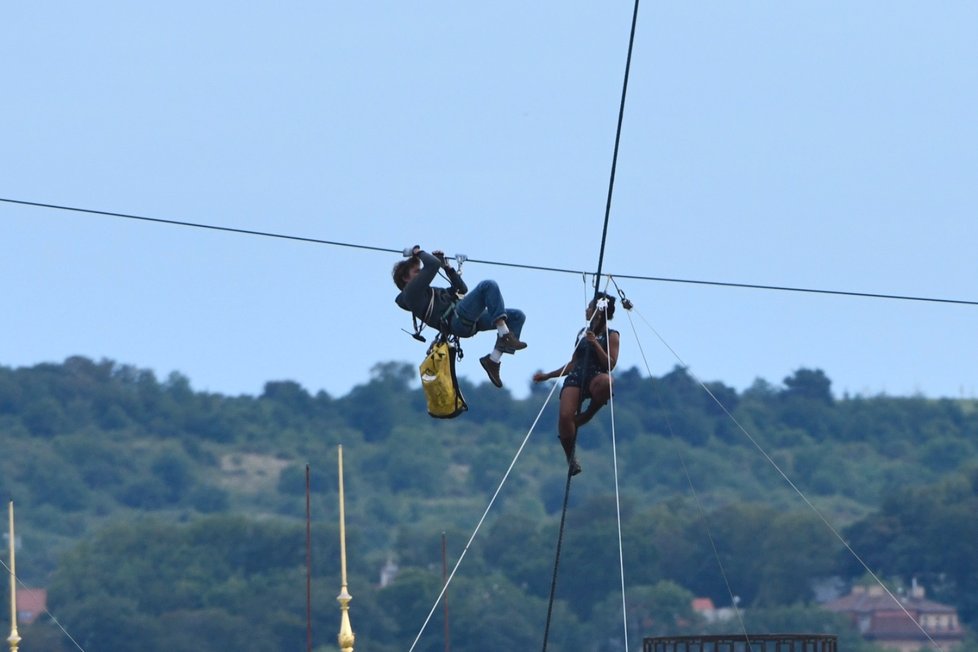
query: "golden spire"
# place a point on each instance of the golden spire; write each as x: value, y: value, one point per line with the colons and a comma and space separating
x: 14, y: 638
x: 345, y: 638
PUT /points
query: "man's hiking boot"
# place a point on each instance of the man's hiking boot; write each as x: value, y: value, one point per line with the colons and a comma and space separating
x: 573, y: 468
x: 509, y: 344
x: 492, y: 370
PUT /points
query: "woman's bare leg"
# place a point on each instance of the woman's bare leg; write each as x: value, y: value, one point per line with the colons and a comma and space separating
x: 600, y: 389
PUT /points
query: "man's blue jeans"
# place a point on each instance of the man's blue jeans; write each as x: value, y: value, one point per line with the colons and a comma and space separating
x: 480, y: 308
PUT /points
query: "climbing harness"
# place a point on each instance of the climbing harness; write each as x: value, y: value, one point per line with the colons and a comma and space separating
x: 420, y: 325
x: 445, y: 318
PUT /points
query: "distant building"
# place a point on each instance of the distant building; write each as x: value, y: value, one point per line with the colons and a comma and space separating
x: 31, y: 603
x: 709, y: 613
x: 388, y: 573
x: 881, y: 620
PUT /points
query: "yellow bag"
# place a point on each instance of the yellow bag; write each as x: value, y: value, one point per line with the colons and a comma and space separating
x: 439, y: 382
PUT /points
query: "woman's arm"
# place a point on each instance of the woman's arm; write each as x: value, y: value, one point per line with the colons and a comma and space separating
x: 613, y: 341
x: 604, y: 361
x: 539, y: 376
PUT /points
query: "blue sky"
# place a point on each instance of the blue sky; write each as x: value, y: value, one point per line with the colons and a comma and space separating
x: 826, y: 145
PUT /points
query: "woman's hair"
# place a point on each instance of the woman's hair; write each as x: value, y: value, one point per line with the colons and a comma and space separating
x: 610, y: 309
x: 401, y: 269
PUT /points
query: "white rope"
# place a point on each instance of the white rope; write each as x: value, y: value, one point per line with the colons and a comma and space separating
x: 482, y: 520
x: 48, y: 613
x: 696, y: 498
x: 614, y: 457
x: 798, y: 491
x: 602, y: 305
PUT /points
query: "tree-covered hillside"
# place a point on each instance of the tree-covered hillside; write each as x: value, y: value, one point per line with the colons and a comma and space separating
x: 175, y: 518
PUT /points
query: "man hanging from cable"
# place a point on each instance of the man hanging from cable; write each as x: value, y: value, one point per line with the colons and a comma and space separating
x: 588, y: 374
x: 446, y: 310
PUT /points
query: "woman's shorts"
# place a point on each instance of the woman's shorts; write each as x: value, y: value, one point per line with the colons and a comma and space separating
x: 581, y: 381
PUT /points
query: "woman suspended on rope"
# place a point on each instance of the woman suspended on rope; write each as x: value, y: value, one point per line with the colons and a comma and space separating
x: 482, y: 309
x: 588, y: 375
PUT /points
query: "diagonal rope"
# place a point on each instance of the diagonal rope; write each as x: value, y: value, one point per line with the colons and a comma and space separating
x: 793, y: 486
x: 45, y: 609
x: 478, y: 526
x: 689, y: 481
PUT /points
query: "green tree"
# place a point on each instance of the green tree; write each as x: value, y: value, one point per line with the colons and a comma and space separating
x: 517, y: 546
x: 375, y: 408
x: 925, y: 532
x: 810, y: 384
x: 173, y: 469
x: 409, y: 600
x: 109, y: 622
x: 661, y: 609
x: 797, y: 548
x: 44, y: 417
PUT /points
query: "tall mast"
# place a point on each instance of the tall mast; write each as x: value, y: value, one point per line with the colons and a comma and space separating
x: 14, y: 638
x: 345, y: 638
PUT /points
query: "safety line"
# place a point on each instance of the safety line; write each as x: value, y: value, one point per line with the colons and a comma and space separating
x: 689, y: 481
x: 791, y: 484
x: 482, y: 520
x: 614, y: 458
x: 563, y: 520
x: 45, y: 609
x: 497, y: 263
x: 614, y: 157
x: 560, y: 542
x: 560, y: 536
x: 563, y: 514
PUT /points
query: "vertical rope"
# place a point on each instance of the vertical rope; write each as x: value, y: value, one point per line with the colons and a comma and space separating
x: 563, y: 515
x: 553, y: 581
x: 614, y: 459
x: 308, y: 566
x: 614, y: 157
x: 597, y: 277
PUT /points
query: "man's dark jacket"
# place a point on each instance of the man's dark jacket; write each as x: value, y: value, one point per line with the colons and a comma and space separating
x: 431, y: 305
